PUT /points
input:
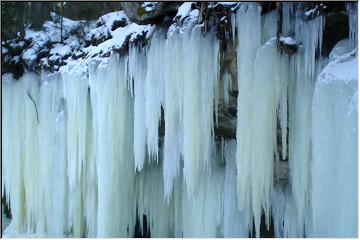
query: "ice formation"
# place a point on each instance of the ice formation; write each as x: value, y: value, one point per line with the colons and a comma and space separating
x: 352, y: 10
x: 334, y: 122
x: 93, y: 148
x: 247, y: 24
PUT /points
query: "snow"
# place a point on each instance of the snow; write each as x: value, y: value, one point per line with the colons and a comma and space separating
x: 288, y: 40
x: 108, y: 19
x: 183, y: 11
x: 60, y: 49
x: 343, y: 68
x: 119, y: 36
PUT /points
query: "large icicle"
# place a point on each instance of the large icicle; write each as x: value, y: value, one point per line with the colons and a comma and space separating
x: 46, y: 136
x: 264, y: 131
x: 248, y: 26
x: 137, y: 74
x: 172, y: 108
x: 234, y: 220
x: 13, y: 122
x: 154, y: 92
x: 352, y: 11
x: 150, y: 201
x: 53, y: 129
x: 334, y: 136
x: 199, y: 97
x: 202, y: 211
x: 301, y: 85
x: 76, y: 96
x: 113, y: 124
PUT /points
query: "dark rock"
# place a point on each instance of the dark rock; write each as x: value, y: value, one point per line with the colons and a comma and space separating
x: 137, y: 13
x: 118, y: 23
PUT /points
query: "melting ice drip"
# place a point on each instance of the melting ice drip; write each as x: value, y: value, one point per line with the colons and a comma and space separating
x: 82, y: 154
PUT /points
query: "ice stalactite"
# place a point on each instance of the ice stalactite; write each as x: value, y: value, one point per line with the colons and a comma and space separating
x: 150, y: 201
x: 202, y: 211
x: 48, y: 105
x: 287, y: 18
x: 352, y: 11
x: 113, y: 119
x: 12, y: 155
x: 173, y: 109
x: 264, y: 113
x: 199, y: 98
x: 154, y: 93
x: 248, y: 26
x: 234, y: 220
x: 268, y: 26
x: 278, y: 210
x: 34, y: 202
x: 260, y: 92
x: 76, y: 97
x: 227, y: 81
x: 6, y: 125
x: 334, y: 136
x: 137, y: 74
x: 84, y: 153
x: 53, y: 116
x: 301, y: 87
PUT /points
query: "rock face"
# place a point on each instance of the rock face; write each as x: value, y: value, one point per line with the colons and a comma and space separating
x: 153, y: 12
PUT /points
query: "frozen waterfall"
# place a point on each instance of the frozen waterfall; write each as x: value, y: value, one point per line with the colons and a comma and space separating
x: 88, y: 151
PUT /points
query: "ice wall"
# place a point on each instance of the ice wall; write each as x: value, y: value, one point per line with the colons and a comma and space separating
x: 92, y: 148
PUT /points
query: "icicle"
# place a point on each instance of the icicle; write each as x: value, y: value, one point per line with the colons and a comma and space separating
x: 154, y: 92
x: 334, y: 136
x: 90, y: 186
x: 7, y: 89
x: 285, y: 72
x: 287, y: 18
x: 58, y: 222
x: 13, y: 155
x: 234, y: 220
x: 268, y: 26
x: 202, y: 212
x: 278, y: 210
x: 113, y: 121
x: 172, y: 109
x: 292, y: 228
x: 264, y: 133
x: 76, y: 96
x: 233, y: 27
x: 249, y: 39
x: 150, y: 201
x: 137, y: 73
x: 227, y: 87
x: 351, y: 9
x: 199, y: 97
x: 301, y: 87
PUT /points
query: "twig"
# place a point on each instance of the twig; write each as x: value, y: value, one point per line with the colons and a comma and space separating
x: 37, y: 114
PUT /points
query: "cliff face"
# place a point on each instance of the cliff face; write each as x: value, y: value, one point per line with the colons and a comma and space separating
x: 196, y: 115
